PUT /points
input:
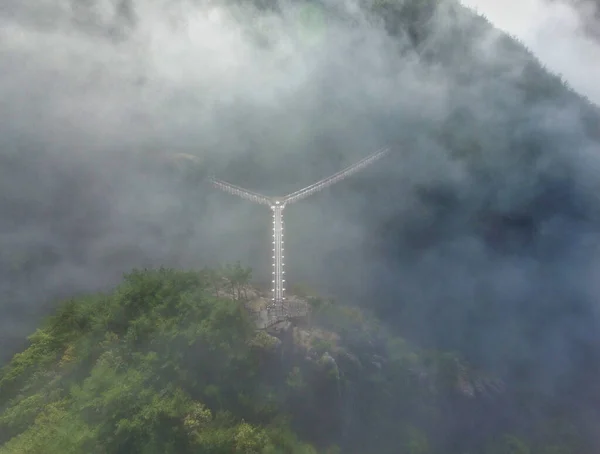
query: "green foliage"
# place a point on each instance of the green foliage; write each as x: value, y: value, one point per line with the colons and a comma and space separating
x: 322, y: 345
x: 55, y: 430
x: 238, y: 279
x: 295, y: 380
x: 112, y: 373
x: 263, y: 341
x: 170, y: 362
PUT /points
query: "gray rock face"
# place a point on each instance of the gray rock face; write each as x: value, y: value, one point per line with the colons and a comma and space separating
x: 294, y: 308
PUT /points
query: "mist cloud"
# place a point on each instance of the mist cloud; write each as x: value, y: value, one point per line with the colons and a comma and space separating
x: 563, y: 34
x: 95, y: 92
x: 476, y: 233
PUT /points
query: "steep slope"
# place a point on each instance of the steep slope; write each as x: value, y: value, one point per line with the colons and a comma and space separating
x: 164, y: 365
x: 478, y: 235
x: 486, y: 140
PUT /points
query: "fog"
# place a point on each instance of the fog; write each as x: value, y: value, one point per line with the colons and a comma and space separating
x: 563, y: 34
x: 92, y: 92
x: 478, y: 232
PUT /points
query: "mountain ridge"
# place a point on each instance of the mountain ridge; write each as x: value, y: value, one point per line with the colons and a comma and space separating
x: 477, y: 235
x: 116, y: 372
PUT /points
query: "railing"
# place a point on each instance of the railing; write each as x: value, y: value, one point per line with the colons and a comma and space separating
x: 315, y: 187
x: 241, y: 192
x: 279, y: 312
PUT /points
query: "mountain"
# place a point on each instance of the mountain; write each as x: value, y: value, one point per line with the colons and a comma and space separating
x: 171, y: 361
x: 477, y: 235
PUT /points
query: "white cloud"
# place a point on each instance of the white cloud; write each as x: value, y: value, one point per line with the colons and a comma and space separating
x: 555, y: 33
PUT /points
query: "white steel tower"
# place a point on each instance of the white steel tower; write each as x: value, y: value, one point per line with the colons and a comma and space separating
x: 277, y: 307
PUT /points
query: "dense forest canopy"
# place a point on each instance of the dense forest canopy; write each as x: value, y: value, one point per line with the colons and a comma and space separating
x: 164, y: 365
x: 477, y: 235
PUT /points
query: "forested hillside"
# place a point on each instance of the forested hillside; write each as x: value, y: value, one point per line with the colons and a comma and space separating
x: 478, y: 235
x: 164, y: 365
